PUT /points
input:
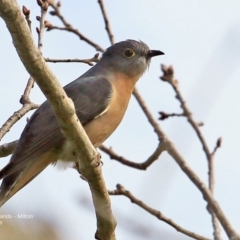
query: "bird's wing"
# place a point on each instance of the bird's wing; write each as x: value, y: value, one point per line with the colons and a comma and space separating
x: 91, y: 96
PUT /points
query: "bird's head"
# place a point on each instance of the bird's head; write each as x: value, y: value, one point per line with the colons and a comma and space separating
x: 129, y: 57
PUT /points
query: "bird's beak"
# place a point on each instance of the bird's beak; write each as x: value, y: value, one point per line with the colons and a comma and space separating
x: 153, y: 53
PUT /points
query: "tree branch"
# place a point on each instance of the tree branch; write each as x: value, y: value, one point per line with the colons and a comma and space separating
x: 24, y: 100
x: 64, y: 110
x: 172, y: 151
x: 107, y: 25
x: 15, y: 117
x: 148, y: 114
x: 122, y: 191
x: 168, y: 76
x: 89, y: 61
x: 141, y: 166
x: 68, y: 27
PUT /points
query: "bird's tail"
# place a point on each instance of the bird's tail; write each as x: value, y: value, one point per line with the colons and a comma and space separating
x: 12, y: 183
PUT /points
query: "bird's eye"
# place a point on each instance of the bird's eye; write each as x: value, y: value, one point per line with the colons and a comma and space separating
x: 128, y: 53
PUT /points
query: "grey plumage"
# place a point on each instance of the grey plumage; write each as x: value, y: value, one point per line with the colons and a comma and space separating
x: 100, y: 97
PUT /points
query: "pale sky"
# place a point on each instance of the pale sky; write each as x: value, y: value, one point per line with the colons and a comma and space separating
x: 201, y: 39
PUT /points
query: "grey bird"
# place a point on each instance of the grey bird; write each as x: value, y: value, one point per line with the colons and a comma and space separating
x: 100, y: 96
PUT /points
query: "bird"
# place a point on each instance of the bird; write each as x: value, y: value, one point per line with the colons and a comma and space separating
x: 100, y: 96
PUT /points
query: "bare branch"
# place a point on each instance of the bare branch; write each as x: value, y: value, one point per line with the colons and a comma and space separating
x: 207, y: 195
x: 170, y: 148
x: 122, y: 191
x: 218, y: 145
x: 65, y: 113
x: 89, y: 61
x: 124, y: 161
x: 44, y: 7
x: 148, y: 114
x: 24, y: 100
x: 68, y: 27
x: 25, y: 97
x: 164, y: 115
x: 168, y: 76
x: 107, y: 25
x: 15, y: 117
x: 215, y: 223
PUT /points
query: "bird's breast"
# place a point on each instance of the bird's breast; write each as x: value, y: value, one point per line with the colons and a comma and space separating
x: 101, y: 127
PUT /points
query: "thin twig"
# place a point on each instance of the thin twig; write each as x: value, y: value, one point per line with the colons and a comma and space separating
x: 107, y: 24
x: 89, y: 61
x: 148, y: 114
x: 15, y: 117
x: 217, y: 146
x: 25, y: 97
x: 68, y: 27
x: 122, y: 191
x: 164, y: 115
x: 24, y: 100
x: 215, y: 222
x: 26, y: 13
x: 168, y: 76
x: 44, y: 8
x: 124, y: 161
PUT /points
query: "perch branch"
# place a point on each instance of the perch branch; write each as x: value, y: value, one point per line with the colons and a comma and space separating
x: 65, y: 113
